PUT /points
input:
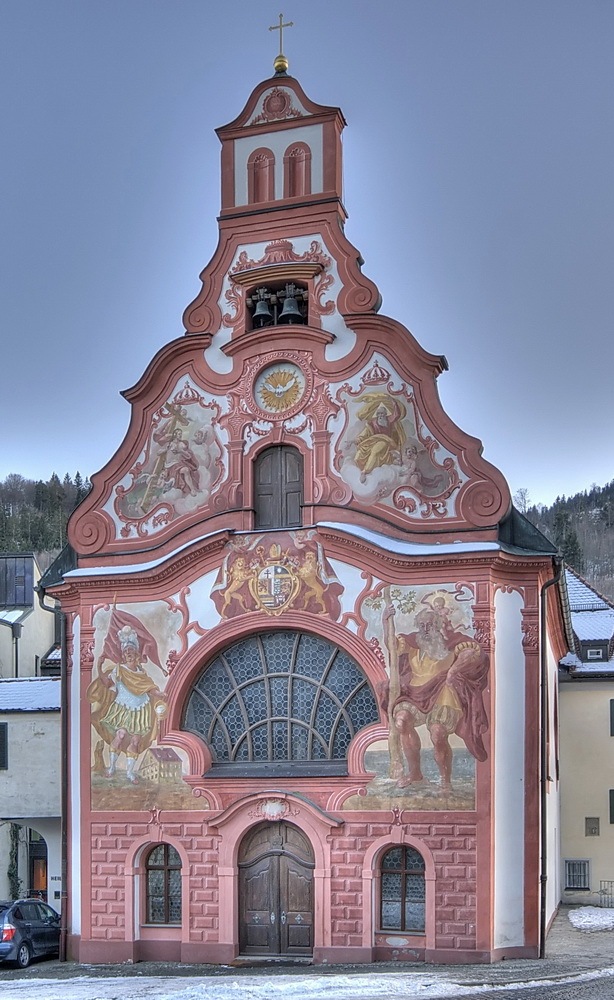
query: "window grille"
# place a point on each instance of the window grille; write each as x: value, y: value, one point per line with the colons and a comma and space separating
x: 280, y: 698
x: 402, y: 890
x: 577, y: 874
x: 163, y: 885
x: 4, y: 746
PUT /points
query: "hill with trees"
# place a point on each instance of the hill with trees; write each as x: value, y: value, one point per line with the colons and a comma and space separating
x: 582, y: 526
x: 34, y: 515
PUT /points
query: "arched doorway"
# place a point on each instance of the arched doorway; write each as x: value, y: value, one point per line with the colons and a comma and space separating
x: 276, y: 864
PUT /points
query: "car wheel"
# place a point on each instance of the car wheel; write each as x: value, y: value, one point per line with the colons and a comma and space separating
x: 23, y: 956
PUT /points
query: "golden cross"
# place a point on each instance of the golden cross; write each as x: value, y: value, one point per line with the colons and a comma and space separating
x: 280, y: 28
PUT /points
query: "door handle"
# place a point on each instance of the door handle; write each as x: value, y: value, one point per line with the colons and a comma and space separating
x: 272, y: 917
x: 283, y: 916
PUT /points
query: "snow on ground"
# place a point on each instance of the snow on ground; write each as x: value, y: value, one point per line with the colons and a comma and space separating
x: 592, y: 918
x: 391, y: 986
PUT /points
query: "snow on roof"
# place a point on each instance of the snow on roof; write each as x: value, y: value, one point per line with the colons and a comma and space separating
x: 29, y: 694
x: 592, y: 617
x: 12, y: 615
x: 582, y: 597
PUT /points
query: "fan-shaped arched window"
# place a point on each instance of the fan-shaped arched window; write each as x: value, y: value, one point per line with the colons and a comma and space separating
x: 280, y: 703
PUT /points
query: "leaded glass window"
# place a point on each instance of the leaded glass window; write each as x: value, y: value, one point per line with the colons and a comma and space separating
x: 163, y: 885
x: 402, y: 890
x: 282, y: 702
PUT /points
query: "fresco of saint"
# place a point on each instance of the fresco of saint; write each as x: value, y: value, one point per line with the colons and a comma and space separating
x: 126, y: 701
x: 387, y: 456
x: 434, y: 699
x: 181, y: 462
x: 441, y: 676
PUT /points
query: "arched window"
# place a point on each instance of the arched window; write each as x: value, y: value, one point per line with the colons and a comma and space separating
x: 278, y: 488
x: 163, y: 885
x: 261, y: 176
x: 297, y: 170
x: 280, y: 703
x: 402, y: 890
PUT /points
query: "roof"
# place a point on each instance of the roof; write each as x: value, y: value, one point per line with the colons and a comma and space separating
x: 164, y: 754
x: 14, y: 615
x: 518, y: 534
x: 30, y: 694
x: 592, y: 620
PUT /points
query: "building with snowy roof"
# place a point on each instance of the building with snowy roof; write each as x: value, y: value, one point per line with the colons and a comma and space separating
x: 29, y: 705
x: 30, y: 794
x: 587, y: 748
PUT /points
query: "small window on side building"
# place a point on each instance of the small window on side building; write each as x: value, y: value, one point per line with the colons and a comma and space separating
x: 578, y: 874
x: 591, y: 826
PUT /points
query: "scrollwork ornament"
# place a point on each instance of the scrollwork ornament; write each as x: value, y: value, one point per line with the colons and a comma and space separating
x: 530, y: 635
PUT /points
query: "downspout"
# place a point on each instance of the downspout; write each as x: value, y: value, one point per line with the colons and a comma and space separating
x: 543, y: 754
x: 61, y: 617
x: 15, y: 628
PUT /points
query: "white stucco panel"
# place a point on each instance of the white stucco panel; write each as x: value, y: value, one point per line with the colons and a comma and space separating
x: 278, y: 142
x: 509, y: 779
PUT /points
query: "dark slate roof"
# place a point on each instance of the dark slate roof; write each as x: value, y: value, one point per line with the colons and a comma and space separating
x: 63, y: 563
x: 518, y: 534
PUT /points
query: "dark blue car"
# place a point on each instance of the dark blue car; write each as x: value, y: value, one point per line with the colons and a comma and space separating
x: 28, y: 929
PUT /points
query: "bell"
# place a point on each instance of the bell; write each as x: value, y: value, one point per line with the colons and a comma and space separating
x: 262, y: 314
x: 290, y: 312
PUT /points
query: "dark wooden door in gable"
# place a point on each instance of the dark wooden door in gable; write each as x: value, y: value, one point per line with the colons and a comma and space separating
x: 276, y: 892
x: 278, y: 488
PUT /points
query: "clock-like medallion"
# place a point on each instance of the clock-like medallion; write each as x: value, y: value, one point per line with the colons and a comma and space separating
x: 279, y: 388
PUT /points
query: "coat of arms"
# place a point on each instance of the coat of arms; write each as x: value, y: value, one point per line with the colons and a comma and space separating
x: 290, y: 572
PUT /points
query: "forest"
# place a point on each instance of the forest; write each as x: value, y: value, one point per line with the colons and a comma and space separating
x: 34, y: 515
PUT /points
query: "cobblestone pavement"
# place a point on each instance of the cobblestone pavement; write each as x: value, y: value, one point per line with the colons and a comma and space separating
x: 570, y: 970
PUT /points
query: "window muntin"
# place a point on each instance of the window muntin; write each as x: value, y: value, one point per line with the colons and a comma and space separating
x: 578, y: 874
x: 280, y: 697
x: 163, y: 885
x: 402, y: 890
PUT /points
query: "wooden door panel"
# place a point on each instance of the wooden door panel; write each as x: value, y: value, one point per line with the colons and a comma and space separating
x: 258, y: 892
x: 276, y: 892
x: 278, y: 488
x: 296, y: 902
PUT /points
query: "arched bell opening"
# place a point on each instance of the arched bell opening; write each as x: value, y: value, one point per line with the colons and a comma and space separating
x: 278, y: 304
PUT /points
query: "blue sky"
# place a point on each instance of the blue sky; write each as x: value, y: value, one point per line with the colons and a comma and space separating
x: 478, y: 179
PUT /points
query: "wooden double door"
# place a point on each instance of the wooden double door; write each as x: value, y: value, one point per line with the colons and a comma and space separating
x: 276, y: 891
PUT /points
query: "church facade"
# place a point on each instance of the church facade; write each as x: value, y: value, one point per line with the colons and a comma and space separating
x: 304, y: 673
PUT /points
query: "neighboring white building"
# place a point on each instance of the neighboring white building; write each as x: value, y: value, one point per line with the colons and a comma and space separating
x: 29, y: 735
x: 587, y: 749
x: 30, y: 786
x: 27, y: 631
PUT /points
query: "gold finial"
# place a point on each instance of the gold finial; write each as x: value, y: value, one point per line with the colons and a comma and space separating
x: 281, y: 63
